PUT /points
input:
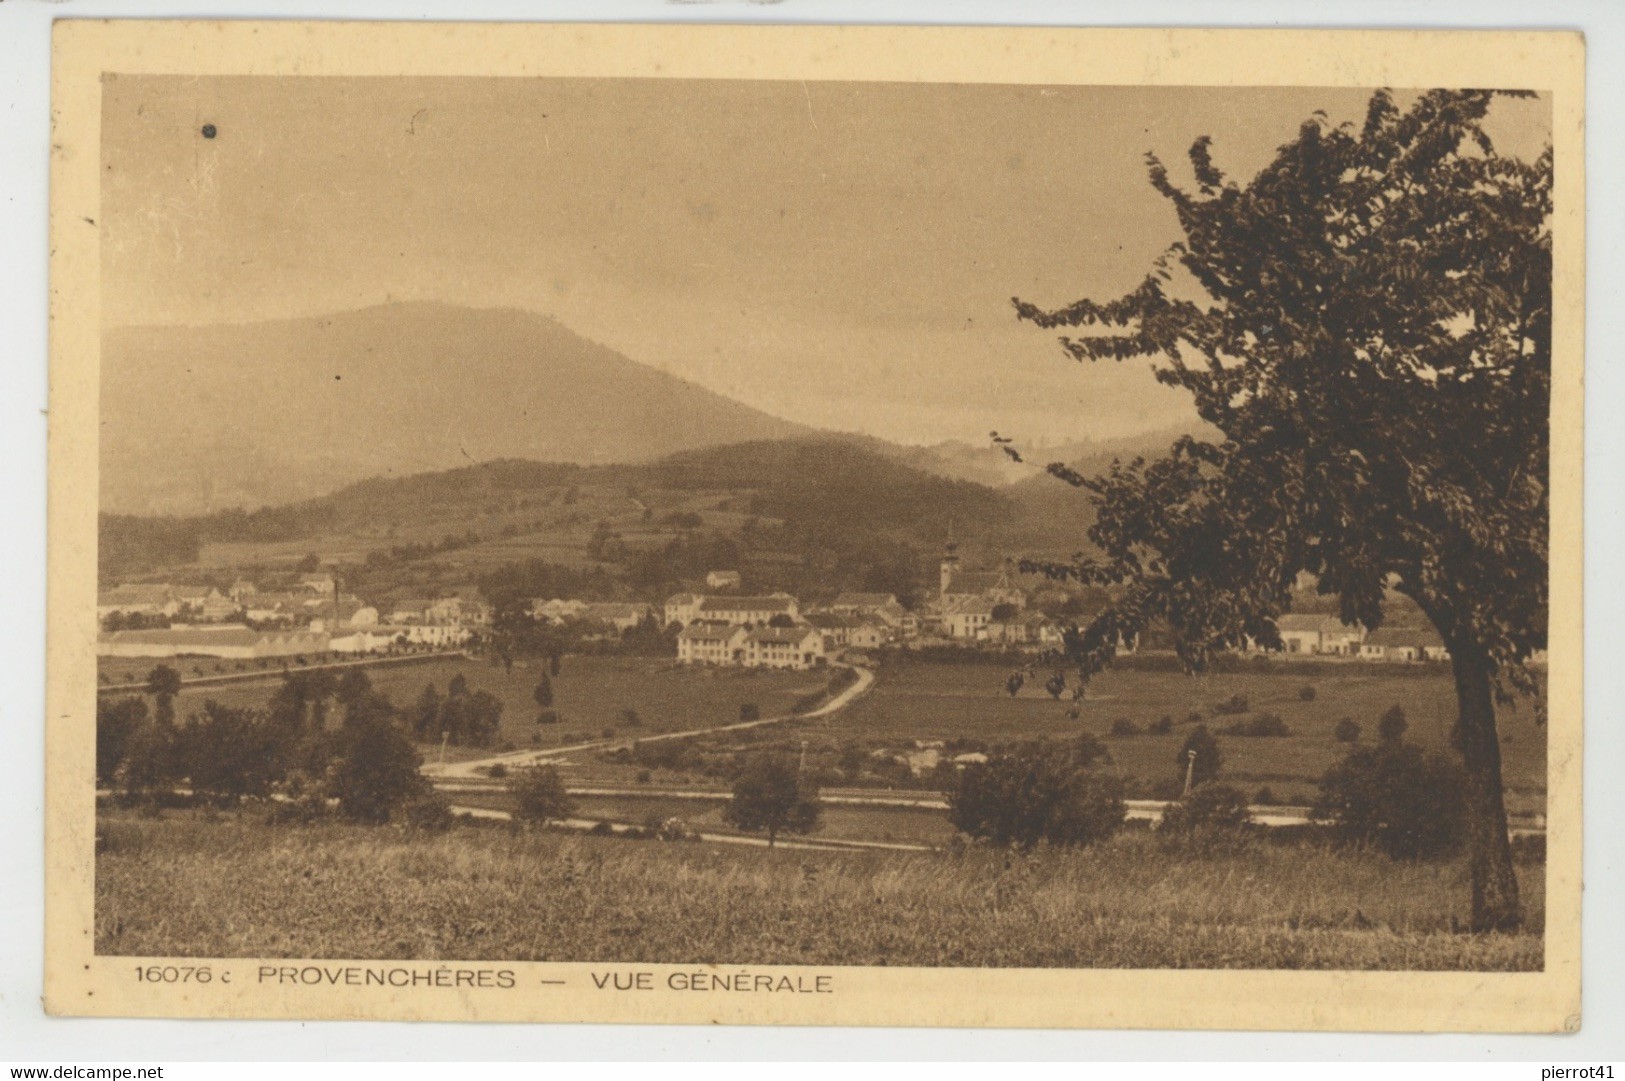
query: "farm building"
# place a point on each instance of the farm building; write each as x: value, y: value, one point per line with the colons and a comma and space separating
x: 1319, y: 635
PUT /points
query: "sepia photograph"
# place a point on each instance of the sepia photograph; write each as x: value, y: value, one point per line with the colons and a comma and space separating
x: 602, y: 533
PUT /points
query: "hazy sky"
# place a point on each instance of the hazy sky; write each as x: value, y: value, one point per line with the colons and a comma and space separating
x: 840, y: 254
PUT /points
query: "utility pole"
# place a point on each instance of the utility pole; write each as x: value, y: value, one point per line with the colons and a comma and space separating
x: 1190, y: 769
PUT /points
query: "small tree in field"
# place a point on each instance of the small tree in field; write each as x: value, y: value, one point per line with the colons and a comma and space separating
x: 543, y: 694
x: 1366, y: 325
x: 1046, y: 792
x: 770, y: 794
x: 1346, y: 731
x: 539, y: 795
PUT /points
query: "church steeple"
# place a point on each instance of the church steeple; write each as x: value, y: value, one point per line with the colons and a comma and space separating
x: 949, y: 567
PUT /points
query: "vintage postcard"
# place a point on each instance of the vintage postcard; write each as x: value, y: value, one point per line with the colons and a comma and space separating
x: 816, y: 525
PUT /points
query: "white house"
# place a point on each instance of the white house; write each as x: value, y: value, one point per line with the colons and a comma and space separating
x: 784, y: 647
x: 968, y: 618
x: 1319, y: 635
x: 682, y: 609
x: 711, y: 643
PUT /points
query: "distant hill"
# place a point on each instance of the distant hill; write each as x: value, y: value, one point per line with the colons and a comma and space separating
x: 196, y: 419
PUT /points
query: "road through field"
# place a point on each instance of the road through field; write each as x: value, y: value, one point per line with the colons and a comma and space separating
x: 477, y: 767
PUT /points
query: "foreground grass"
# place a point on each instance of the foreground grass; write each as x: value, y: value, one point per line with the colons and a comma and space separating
x: 231, y: 886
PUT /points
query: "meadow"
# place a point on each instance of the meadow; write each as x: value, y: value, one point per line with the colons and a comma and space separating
x: 590, y: 695
x: 916, y: 700
x: 223, y: 884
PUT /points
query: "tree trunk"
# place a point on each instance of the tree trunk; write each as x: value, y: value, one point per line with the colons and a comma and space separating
x: 1489, y: 851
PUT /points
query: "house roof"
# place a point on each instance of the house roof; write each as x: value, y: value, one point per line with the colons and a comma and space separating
x: 779, y: 603
x: 1399, y: 636
x: 682, y: 600
x: 782, y: 636
x: 138, y: 594
x: 864, y: 600
x: 979, y: 582
x: 707, y: 632
x: 972, y: 606
x: 829, y: 621
x: 181, y: 637
x: 614, y: 610
x: 1307, y: 622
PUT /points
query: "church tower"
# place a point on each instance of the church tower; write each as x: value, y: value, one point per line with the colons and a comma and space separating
x: 949, y: 567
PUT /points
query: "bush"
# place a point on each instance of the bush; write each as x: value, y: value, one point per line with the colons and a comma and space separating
x: 644, y: 776
x: 749, y: 712
x: 1237, y: 703
x: 1264, y: 796
x: 1208, y: 806
x: 539, y: 795
x: 429, y: 811
x: 602, y: 828
x: 1193, y: 717
x: 1306, y: 693
x: 1161, y: 726
x: 1122, y: 726
x: 1391, y: 728
x: 1045, y: 792
x: 1346, y: 731
x: 1407, y: 804
x: 1264, y: 726
x: 497, y: 771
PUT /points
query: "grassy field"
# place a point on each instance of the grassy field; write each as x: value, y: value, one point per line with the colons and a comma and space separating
x: 230, y: 886
x: 919, y: 701
x: 589, y: 695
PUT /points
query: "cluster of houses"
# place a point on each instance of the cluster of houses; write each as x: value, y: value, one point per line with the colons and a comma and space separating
x: 311, y: 616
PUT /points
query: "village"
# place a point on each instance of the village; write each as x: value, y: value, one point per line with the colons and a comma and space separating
x: 309, y: 615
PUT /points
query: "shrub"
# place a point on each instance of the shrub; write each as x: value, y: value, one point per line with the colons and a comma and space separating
x: 1265, y: 796
x: 547, y: 716
x: 1264, y: 726
x: 630, y: 718
x: 1208, y: 806
x: 1236, y: 703
x: 602, y: 828
x: 429, y: 811
x: 1407, y: 804
x: 1391, y: 728
x: 497, y: 771
x: 749, y: 712
x: 1161, y: 726
x: 1122, y: 726
x: 644, y: 776
x: 1193, y: 717
x: 1045, y: 792
x: 1346, y: 731
x: 1306, y: 693
x: 539, y: 795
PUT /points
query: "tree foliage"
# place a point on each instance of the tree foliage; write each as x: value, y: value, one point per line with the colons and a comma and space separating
x: 770, y: 794
x: 1405, y: 802
x: 1042, y: 792
x: 1366, y: 326
x: 539, y: 795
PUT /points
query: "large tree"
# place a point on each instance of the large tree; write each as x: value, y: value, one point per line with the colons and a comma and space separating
x: 1366, y: 325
